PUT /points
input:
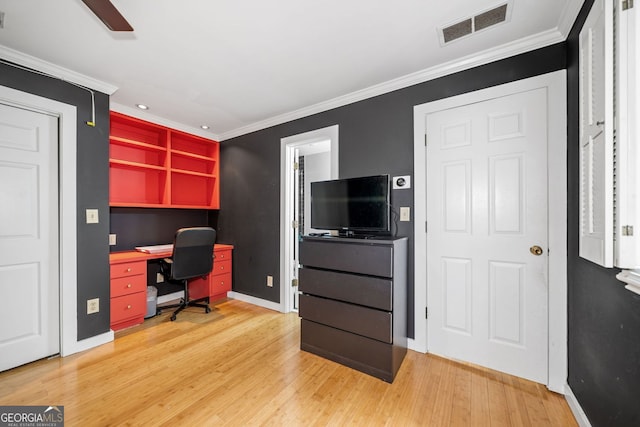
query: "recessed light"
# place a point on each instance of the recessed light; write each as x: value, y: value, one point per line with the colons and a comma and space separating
x: 142, y: 106
x: 205, y: 127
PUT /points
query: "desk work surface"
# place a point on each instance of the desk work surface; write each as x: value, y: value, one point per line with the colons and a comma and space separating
x: 133, y: 255
x: 155, y: 249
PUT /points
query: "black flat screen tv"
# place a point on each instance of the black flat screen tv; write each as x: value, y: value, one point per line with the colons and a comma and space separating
x: 352, y: 206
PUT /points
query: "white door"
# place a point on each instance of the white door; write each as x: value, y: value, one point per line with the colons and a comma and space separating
x: 486, y: 173
x: 295, y: 170
x: 294, y: 198
x: 29, y: 279
x: 311, y: 163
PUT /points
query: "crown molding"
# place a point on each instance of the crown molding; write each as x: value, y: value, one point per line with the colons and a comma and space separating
x: 568, y: 16
x: 145, y: 115
x: 490, y: 55
x: 56, y: 71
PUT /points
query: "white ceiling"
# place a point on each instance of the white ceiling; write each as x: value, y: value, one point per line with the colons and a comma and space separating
x: 243, y: 65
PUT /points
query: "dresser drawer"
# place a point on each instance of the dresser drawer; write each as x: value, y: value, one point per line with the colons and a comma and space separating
x: 221, y: 267
x: 359, y: 320
x: 128, y: 269
x: 128, y: 307
x: 333, y: 254
x: 373, y: 292
x: 220, y: 283
x: 128, y: 285
x: 376, y: 358
x: 222, y: 255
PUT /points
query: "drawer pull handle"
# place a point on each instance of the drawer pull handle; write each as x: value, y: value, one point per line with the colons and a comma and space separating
x: 222, y: 283
x: 129, y: 306
x: 128, y: 270
x: 128, y: 285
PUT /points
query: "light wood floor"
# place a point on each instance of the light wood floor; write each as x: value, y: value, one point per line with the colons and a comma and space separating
x: 241, y: 365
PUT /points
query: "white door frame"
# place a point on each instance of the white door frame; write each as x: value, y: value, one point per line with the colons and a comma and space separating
x: 287, y: 148
x: 555, y: 83
x: 67, y: 114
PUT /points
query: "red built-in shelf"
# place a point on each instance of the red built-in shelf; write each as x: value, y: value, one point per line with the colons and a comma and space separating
x: 155, y: 166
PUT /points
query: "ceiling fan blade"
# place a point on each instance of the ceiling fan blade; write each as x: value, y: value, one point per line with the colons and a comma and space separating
x: 108, y: 14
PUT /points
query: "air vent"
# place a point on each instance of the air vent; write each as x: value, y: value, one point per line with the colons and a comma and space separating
x: 489, y: 18
x: 478, y: 22
x: 458, y: 30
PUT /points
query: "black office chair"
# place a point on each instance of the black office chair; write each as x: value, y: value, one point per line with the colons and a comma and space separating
x: 192, y: 257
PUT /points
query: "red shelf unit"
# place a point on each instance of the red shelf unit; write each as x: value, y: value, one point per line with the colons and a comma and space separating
x: 155, y: 166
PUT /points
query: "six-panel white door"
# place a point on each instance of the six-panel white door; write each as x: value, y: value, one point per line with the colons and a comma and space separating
x: 487, y: 215
x: 29, y: 236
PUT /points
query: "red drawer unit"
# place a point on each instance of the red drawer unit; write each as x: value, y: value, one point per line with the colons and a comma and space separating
x: 220, y: 279
x: 128, y: 293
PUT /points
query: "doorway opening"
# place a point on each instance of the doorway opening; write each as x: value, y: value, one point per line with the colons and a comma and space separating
x: 305, y: 158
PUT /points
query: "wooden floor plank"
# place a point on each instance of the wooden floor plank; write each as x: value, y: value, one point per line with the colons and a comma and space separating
x: 498, y: 409
x: 431, y: 369
x: 242, y: 365
x: 480, y: 413
x: 461, y: 402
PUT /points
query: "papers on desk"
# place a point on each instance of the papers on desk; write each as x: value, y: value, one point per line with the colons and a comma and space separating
x: 155, y: 249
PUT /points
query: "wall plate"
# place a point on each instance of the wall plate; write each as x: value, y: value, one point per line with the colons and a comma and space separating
x: 92, y: 216
x: 401, y: 182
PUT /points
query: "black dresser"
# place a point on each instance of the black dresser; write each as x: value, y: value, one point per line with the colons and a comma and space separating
x: 354, y: 302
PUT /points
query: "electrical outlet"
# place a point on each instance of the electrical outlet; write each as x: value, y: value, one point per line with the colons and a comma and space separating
x: 405, y: 213
x: 270, y: 281
x: 112, y: 239
x: 92, y: 216
x: 93, y: 306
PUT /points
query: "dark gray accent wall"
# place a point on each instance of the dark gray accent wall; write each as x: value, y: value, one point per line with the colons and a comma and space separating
x: 376, y: 137
x: 149, y: 226
x: 92, y: 188
x: 604, y: 318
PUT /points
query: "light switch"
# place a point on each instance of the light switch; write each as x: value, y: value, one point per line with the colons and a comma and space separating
x: 405, y: 213
x: 92, y: 216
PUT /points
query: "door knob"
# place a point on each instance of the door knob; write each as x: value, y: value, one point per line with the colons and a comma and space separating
x: 536, y: 250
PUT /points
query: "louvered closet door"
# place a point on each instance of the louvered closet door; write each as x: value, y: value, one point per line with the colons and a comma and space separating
x: 487, y: 216
x: 596, y: 141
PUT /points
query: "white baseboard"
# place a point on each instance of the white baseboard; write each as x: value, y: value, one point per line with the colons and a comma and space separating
x: 88, y: 343
x: 162, y: 299
x: 255, y: 301
x: 578, y: 413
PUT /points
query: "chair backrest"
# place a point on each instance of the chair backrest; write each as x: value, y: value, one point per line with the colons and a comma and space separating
x: 192, y: 252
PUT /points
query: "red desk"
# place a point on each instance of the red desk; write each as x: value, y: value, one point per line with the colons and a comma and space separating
x: 129, y: 283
